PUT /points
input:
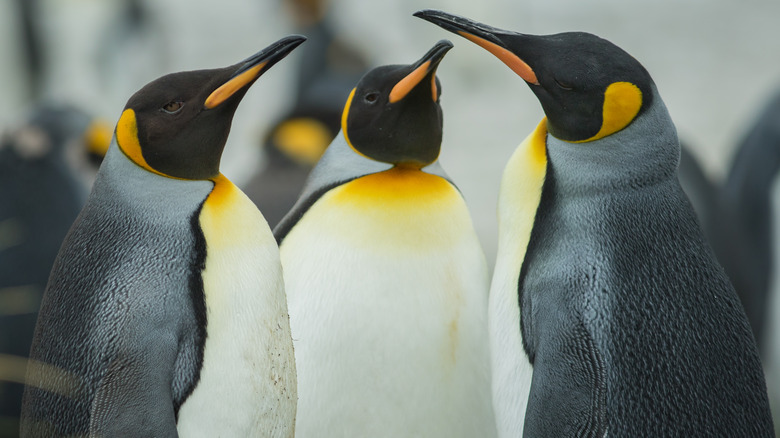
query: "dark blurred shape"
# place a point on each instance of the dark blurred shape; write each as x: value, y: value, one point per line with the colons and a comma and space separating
x: 46, y: 165
x: 32, y: 50
x: 328, y: 69
x: 746, y: 251
x: 702, y: 193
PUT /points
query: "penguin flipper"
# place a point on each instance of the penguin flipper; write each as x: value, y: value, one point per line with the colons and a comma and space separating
x: 568, y: 387
x: 134, y: 396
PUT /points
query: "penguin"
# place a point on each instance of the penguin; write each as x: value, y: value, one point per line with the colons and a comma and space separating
x: 749, y: 245
x: 701, y: 191
x: 385, y: 277
x: 609, y: 315
x: 165, y: 310
x: 45, y: 165
x: 747, y: 251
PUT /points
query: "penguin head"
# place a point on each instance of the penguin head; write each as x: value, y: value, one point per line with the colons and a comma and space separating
x: 393, y: 115
x: 177, y: 125
x: 588, y: 87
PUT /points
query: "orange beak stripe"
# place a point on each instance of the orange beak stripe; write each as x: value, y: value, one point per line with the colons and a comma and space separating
x: 405, y: 85
x: 227, y: 89
x: 510, y: 59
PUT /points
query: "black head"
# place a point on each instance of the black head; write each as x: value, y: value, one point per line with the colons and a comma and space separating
x: 588, y: 87
x: 394, y: 116
x: 178, y: 124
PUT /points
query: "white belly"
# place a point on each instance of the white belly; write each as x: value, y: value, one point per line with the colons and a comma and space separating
x: 388, y: 309
x: 511, y: 369
x: 247, y: 385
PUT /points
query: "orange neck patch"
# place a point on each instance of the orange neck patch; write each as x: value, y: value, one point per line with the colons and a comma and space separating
x: 222, y: 192
x: 398, y: 185
x: 397, y: 209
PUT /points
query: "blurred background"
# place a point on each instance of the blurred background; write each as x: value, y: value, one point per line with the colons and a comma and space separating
x: 67, y: 68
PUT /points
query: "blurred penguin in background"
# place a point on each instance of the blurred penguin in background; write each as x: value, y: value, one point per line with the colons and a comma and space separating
x: 327, y: 71
x: 47, y: 165
x: 701, y: 191
x: 749, y: 251
x: 131, y: 45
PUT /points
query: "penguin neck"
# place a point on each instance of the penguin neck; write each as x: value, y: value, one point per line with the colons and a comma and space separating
x: 643, y: 154
x: 131, y: 184
x: 340, y: 163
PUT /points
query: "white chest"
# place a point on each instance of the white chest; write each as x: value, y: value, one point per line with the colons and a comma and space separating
x: 247, y: 383
x: 388, y: 305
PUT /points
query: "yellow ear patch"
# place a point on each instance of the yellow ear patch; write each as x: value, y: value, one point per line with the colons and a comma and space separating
x: 127, y: 139
x: 622, y: 102
x: 344, y: 116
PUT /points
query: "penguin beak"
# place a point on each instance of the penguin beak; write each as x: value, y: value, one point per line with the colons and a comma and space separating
x: 252, y: 68
x: 484, y: 36
x: 424, y: 68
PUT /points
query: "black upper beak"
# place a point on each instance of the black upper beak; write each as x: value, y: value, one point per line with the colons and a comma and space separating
x: 425, y: 67
x: 489, y: 38
x: 460, y: 25
x: 435, y: 55
x: 250, y: 69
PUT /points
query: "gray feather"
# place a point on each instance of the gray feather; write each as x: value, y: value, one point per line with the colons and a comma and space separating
x: 117, y: 317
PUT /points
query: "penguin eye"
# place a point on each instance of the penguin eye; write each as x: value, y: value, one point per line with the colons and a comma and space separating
x: 371, y: 97
x: 173, y: 107
x: 563, y: 85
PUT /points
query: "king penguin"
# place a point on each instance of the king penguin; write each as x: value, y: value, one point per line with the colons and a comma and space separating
x: 386, y: 281
x: 609, y: 315
x: 165, y: 311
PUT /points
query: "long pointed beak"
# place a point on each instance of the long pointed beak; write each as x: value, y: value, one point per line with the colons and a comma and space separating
x: 482, y: 35
x: 423, y: 68
x: 252, y: 68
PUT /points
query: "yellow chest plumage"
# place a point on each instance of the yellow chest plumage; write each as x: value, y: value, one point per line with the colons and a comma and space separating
x: 398, y: 208
x: 230, y: 219
x: 247, y: 383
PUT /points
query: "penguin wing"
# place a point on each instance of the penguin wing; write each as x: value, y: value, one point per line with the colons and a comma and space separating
x: 118, y: 317
x: 568, y: 387
x: 134, y: 395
